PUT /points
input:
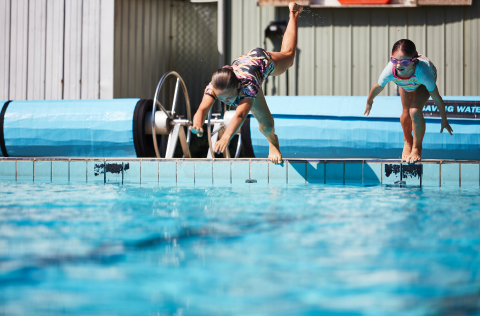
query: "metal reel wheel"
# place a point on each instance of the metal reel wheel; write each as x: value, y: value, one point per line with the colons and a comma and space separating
x: 163, y: 121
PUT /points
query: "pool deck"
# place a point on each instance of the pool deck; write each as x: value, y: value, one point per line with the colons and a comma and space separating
x: 428, y: 172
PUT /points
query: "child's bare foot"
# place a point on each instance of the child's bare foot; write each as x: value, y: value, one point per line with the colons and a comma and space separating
x: 415, y: 156
x: 407, y: 150
x: 295, y: 7
x: 274, y: 153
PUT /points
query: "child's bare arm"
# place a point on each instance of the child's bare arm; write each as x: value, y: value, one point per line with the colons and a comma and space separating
x: 376, y: 89
x: 241, y: 114
x: 441, y: 107
x: 199, y: 117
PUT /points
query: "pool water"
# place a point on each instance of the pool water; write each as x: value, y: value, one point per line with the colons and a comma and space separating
x: 114, y: 249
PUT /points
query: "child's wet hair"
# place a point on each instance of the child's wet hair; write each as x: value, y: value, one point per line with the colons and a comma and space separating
x: 224, y: 79
x: 406, y: 46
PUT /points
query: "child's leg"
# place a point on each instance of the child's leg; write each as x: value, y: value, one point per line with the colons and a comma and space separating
x: 418, y: 100
x: 284, y: 59
x: 267, y: 126
x: 407, y: 125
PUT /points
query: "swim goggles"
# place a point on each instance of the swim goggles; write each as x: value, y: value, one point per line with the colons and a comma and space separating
x: 404, y: 62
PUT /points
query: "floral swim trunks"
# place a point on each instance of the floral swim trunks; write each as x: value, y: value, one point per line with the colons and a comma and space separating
x: 251, y: 70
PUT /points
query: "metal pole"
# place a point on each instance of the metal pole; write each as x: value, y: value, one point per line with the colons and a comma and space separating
x: 221, y: 46
x: 221, y: 30
x: 175, y: 97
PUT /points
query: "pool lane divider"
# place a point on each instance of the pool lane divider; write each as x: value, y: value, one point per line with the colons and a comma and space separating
x: 461, y: 173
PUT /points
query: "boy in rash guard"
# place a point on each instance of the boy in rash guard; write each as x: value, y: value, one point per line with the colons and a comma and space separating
x: 416, y: 78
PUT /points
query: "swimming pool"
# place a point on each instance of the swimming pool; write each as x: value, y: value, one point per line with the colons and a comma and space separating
x: 261, y: 249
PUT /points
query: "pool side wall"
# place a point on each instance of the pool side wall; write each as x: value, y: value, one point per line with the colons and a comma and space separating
x: 435, y: 173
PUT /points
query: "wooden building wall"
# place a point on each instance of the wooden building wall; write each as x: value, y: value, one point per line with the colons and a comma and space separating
x: 342, y: 51
x: 56, y: 49
x: 142, y: 46
x: 153, y: 37
x: 88, y: 49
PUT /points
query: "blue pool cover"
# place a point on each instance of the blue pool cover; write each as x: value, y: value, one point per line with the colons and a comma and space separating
x: 335, y: 127
x: 77, y: 128
x: 307, y: 126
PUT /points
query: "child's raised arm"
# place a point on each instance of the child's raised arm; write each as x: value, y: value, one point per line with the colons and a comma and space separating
x: 376, y: 89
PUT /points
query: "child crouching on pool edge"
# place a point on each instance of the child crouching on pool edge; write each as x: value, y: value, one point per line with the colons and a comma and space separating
x: 416, y: 78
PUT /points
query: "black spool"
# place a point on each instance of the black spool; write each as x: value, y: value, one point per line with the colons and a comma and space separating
x: 2, y: 137
x: 247, y: 139
x: 143, y: 142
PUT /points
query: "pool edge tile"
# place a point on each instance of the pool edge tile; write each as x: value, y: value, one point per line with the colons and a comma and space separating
x: 78, y: 171
x: 297, y: 172
x: 335, y: 173
x: 204, y: 173
x: 240, y: 172
x: 431, y: 175
x: 469, y: 175
x: 186, y: 172
x: 450, y: 174
x: 8, y: 170
x: 259, y: 171
x: 353, y: 173
x: 277, y: 173
x: 167, y: 172
x: 222, y: 173
x: 149, y: 172
x: 60, y: 171
x: 25, y: 170
x: 315, y: 172
x: 96, y: 171
x: 131, y: 172
x: 390, y: 172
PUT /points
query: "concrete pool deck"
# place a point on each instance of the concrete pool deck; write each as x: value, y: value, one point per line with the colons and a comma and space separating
x: 429, y: 172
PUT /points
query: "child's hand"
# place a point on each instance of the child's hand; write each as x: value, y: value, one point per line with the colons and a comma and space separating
x: 368, y: 109
x: 196, y: 130
x: 220, y: 145
x: 446, y: 126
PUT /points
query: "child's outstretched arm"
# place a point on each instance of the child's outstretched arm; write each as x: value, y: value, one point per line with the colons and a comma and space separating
x: 441, y: 107
x: 376, y: 89
x: 202, y: 112
x: 240, y: 116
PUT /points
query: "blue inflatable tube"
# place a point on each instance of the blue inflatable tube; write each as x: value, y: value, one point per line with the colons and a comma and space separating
x: 77, y: 128
x: 335, y: 127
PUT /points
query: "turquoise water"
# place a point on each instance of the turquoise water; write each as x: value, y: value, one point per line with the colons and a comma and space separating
x: 248, y: 249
